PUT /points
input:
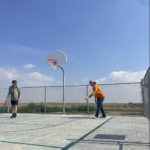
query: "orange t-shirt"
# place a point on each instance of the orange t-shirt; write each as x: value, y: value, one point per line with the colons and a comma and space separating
x: 97, y: 92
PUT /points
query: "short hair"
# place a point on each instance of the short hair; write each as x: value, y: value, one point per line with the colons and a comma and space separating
x: 14, y: 81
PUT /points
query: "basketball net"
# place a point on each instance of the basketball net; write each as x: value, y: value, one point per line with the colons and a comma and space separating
x: 53, y: 63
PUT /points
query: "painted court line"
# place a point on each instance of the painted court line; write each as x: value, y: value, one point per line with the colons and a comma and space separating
x: 31, y: 144
x: 72, y: 144
x: 40, y: 128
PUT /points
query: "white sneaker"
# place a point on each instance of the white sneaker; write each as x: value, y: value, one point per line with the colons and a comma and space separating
x: 94, y: 117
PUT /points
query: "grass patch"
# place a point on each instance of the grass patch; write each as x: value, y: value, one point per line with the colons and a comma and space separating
x: 75, y: 109
x: 131, y: 106
x: 34, y: 108
x: 124, y: 106
x: 4, y: 109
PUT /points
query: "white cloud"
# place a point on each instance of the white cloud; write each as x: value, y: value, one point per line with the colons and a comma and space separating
x: 29, y: 79
x: 37, y: 76
x: 85, y: 80
x: 32, y: 83
x: 28, y: 66
x: 36, y: 79
x: 7, y: 73
x: 122, y: 76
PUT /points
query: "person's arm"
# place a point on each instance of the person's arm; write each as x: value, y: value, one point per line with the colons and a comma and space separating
x: 9, y: 92
x: 94, y: 91
x: 19, y: 94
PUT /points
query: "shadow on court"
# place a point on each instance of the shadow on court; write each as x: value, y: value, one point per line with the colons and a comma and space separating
x: 49, y: 132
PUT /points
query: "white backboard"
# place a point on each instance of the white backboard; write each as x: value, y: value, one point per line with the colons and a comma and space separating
x: 58, y: 55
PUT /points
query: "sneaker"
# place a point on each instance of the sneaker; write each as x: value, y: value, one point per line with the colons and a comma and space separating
x: 94, y: 117
x: 103, y: 117
x: 12, y: 116
x: 15, y: 115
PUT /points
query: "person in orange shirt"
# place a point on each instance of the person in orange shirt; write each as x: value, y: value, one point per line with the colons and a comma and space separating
x: 99, y: 98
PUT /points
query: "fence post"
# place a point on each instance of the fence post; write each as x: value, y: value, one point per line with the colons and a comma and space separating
x: 87, y: 100
x: 45, y: 102
x: 148, y: 74
x: 8, y: 104
x: 143, y: 96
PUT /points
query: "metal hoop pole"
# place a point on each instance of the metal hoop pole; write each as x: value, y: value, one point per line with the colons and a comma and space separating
x: 45, y: 102
x: 63, y: 87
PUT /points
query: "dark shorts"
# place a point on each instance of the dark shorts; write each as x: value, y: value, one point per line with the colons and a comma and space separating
x: 14, y: 102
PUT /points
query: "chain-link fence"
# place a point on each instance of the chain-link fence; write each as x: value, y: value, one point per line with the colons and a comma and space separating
x: 145, y: 85
x: 119, y: 98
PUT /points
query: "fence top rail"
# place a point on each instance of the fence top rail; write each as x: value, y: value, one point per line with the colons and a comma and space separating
x: 78, y: 85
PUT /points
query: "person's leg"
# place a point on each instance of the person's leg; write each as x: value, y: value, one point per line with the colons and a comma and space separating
x: 96, y: 111
x: 12, y: 106
x: 103, y: 112
x: 102, y: 109
x: 98, y: 107
x: 15, y: 108
x: 16, y: 104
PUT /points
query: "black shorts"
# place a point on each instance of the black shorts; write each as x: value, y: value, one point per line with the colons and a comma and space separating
x: 14, y: 102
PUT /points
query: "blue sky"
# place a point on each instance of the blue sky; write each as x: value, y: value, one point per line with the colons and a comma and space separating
x: 106, y: 41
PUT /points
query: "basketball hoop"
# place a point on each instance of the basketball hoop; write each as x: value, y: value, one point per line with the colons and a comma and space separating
x: 53, y: 63
x: 57, y: 58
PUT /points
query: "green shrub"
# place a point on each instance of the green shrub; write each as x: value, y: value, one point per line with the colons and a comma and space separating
x: 32, y: 111
x: 82, y: 108
x: 92, y: 108
x: 68, y: 109
x: 54, y: 109
x: 74, y: 108
x: 3, y: 109
x: 41, y: 106
x: 32, y: 107
x: 23, y: 109
x: 57, y: 109
x: 48, y: 109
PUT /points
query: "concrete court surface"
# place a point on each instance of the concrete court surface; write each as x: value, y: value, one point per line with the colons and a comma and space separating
x: 73, y: 132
